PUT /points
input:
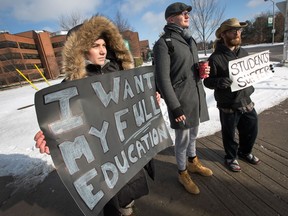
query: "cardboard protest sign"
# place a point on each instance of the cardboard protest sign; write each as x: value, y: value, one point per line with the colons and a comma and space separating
x: 249, y: 70
x: 101, y: 131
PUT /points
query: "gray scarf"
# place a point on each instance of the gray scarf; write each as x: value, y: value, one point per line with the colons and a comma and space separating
x: 184, y: 32
x: 187, y: 35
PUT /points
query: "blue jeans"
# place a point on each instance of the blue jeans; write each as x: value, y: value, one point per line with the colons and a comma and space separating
x: 185, y: 145
x: 247, y: 126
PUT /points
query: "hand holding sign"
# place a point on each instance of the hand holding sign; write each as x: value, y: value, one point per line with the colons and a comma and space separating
x: 101, y: 131
x: 41, y: 142
x: 224, y: 82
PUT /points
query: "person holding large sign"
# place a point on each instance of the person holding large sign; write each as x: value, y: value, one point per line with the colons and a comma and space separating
x: 236, y: 108
x: 177, y: 78
x: 92, y: 48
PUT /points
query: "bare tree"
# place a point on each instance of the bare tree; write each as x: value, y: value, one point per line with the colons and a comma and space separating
x: 279, y: 26
x: 68, y: 21
x: 260, y: 30
x: 205, y: 18
x: 122, y: 23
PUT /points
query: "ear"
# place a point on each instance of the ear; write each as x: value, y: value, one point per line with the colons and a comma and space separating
x: 170, y: 19
x: 222, y: 34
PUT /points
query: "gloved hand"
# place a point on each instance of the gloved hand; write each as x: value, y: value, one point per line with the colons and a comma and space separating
x: 224, y: 83
x: 272, y: 68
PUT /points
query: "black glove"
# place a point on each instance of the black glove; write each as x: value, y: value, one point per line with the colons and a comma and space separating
x: 177, y: 112
x: 224, y: 83
x: 272, y: 68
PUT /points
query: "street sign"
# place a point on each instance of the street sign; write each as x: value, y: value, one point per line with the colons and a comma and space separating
x: 270, y: 21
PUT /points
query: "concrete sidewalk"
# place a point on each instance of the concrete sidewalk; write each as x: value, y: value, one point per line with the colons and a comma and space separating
x: 256, y: 190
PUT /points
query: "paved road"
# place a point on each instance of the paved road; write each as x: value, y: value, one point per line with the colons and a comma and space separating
x: 276, y: 51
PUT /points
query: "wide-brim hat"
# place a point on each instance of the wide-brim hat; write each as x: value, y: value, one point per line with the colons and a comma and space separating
x: 229, y: 24
x: 176, y: 8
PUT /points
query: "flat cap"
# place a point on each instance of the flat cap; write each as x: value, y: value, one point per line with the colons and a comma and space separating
x: 176, y: 8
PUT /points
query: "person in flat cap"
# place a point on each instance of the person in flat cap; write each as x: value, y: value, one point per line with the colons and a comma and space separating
x: 177, y: 78
x: 176, y: 8
x: 236, y: 109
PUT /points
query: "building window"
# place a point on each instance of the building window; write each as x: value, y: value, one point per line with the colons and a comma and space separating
x: 20, y: 66
x: 32, y: 66
x: 39, y: 65
x: 30, y: 56
x: 9, y: 56
x: 6, y: 44
x: 13, y: 67
x: 9, y: 68
x: 27, y: 46
x: 58, y: 44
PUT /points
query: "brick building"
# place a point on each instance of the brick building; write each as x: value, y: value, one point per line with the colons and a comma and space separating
x: 139, y: 49
x: 24, y: 50
x: 145, y: 50
x: 134, y: 44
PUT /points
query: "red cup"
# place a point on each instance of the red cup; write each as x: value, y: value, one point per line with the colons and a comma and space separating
x: 202, y: 66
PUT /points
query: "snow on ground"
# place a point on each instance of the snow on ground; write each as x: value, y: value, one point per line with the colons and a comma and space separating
x: 20, y: 158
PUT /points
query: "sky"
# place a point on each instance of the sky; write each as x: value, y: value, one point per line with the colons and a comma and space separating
x: 145, y: 17
x: 19, y: 157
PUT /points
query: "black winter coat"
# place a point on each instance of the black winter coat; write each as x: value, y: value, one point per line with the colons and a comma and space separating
x: 218, y: 63
x: 178, y: 80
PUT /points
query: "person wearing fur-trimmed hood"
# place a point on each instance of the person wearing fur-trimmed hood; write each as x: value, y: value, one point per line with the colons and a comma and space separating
x: 92, y: 48
x: 79, y: 41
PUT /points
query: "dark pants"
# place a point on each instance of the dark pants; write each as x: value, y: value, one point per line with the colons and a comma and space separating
x: 247, y: 126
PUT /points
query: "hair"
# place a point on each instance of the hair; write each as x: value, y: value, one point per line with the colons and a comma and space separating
x: 217, y: 41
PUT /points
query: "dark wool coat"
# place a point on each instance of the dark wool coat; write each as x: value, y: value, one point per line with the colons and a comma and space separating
x: 218, y: 62
x: 178, y: 80
x: 75, y: 66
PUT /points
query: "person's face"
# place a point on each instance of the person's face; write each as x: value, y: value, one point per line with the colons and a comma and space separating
x: 181, y: 19
x: 232, y: 37
x: 97, y: 54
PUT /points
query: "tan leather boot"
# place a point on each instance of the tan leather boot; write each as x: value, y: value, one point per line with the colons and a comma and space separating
x: 185, y: 179
x: 197, y: 167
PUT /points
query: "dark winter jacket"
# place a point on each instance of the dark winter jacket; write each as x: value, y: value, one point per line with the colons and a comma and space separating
x: 177, y: 78
x: 218, y: 63
x: 76, y: 67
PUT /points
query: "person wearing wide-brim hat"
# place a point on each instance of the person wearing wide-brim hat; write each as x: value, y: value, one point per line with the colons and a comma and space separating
x: 236, y: 108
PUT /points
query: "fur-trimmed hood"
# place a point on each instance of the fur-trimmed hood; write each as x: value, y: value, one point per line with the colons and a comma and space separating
x: 80, y: 41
